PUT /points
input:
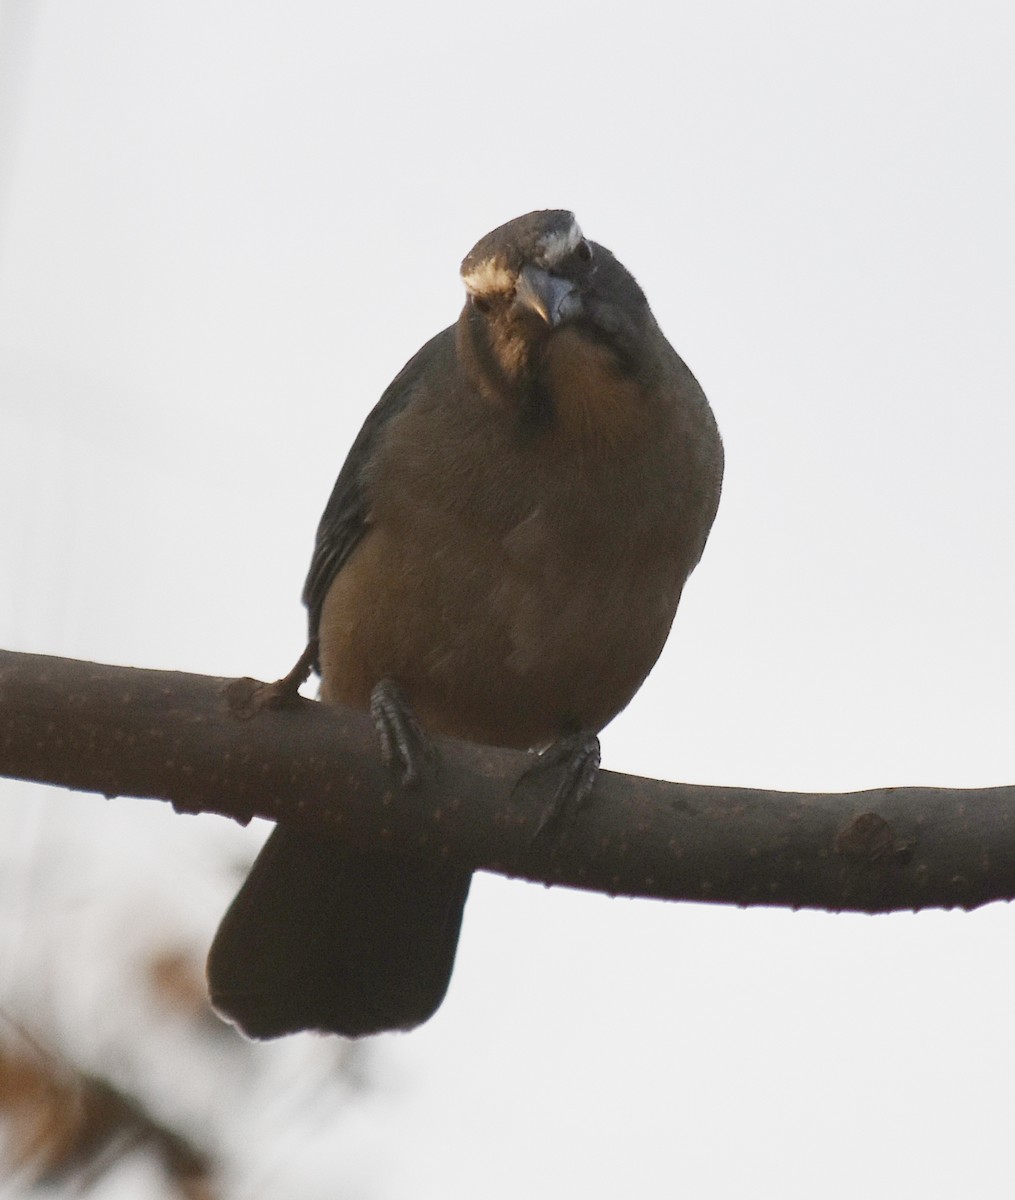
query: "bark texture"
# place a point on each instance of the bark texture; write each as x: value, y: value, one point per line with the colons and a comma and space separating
x: 241, y: 749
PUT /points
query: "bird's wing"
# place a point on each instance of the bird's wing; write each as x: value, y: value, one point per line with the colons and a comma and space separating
x: 346, y: 516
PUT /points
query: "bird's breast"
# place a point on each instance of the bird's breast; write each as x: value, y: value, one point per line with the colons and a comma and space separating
x: 520, y: 583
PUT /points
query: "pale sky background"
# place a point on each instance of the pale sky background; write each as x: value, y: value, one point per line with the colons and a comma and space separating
x: 224, y: 226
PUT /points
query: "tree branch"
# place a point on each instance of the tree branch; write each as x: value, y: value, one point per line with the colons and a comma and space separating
x: 214, y: 745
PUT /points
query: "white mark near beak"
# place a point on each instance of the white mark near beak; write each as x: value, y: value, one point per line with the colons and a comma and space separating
x: 489, y: 278
x: 558, y: 245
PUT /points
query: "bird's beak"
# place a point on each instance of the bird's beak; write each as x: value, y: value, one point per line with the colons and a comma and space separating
x: 552, y: 298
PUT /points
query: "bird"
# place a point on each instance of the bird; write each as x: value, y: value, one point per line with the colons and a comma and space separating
x: 500, y: 561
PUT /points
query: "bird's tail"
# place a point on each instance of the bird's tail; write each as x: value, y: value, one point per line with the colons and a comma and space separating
x: 325, y: 937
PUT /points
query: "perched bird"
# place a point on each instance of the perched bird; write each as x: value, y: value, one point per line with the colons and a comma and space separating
x: 500, y: 560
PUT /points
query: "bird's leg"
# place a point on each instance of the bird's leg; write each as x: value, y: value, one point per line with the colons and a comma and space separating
x: 403, y: 740
x: 576, y: 757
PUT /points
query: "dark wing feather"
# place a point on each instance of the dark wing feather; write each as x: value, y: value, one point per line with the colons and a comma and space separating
x: 346, y: 516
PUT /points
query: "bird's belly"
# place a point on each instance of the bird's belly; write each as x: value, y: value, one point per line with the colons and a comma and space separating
x: 505, y: 648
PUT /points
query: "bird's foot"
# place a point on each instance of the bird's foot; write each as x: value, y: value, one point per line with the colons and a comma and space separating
x: 403, y: 741
x: 576, y: 758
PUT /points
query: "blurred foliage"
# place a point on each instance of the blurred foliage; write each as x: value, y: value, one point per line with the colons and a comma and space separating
x: 64, y: 1124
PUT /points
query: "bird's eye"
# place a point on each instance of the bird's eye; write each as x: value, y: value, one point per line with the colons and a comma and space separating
x: 584, y: 251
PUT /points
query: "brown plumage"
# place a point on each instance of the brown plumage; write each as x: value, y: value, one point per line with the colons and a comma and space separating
x: 507, y: 542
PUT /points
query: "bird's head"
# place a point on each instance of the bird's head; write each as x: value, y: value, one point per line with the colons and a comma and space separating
x: 532, y: 267
x: 538, y: 275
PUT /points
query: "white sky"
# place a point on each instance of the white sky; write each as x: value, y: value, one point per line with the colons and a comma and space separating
x: 223, y: 228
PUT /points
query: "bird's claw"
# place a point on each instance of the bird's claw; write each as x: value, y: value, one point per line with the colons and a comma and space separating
x: 403, y: 741
x: 577, y: 758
